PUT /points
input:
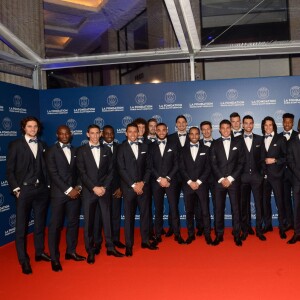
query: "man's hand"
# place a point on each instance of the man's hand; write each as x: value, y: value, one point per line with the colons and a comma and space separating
x: 138, y: 188
x: 194, y: 185
x: 270, y: 161
x: 74, y: 193
x: 117, y: 194
x: 225, y: 183
x: 99, y: 190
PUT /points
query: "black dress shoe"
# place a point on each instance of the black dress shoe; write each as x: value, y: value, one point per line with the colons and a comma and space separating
x: 208, y: 240
x: 114, y: 253
x: 91, y: 258
x: 267, y: 229
x: 44, y: 256
x: 294, y: 239
x: 217, y: 240
x: 157, y: 239
x: 128, y: 251
x: 238, y: 241
x: 261, y: 236
x: 150, y: 246
x: 200, y: 232
x: 244, y: 236
x: 170, y: 232
x: 251, y: 231
x: 26, y: 268
x: 163, y: 232
x: 119, y: 244
x: 56, y: 266
x: 179, y: 239
x: 282, y: 234
x: 190, y: 239
x: 74, y: 256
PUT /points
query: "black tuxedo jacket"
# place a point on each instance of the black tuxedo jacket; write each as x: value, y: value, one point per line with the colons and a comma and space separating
x: 293, y: 159
x: 63, y: 174
x: 166, y: 165
x: 222, y: 167
x: 174, y: 139
x: 194, y: 170
x: 276, y: 150
x: 133, y: 170
x: 90, y: 174
x: 18, y: 161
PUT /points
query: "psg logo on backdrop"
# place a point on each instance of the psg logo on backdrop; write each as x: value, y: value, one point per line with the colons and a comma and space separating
x: 71, y: 123
x: 200, y: 96
x: 83, y: 102
x: 17, y: 101
x: 126, y: 120
x: 216, y: 117
x: 278, y: 115
x: 232, y: 94
x: 84, y: 142
x: 189, y: 118
x: 295, y: 91
x: 112, y: 100
x: 12, y: 220
x: 99, y: 121
x: 1, y: 199
x: 263, y: 93
x: 7, y: 123
x: 170, y: 97
x: 140, y: 99
x: 56, y: 103
x: 158, y: 118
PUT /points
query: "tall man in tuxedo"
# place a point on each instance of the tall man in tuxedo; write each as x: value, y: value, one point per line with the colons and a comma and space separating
x: 95, y: 165
x: 194, y: 166
x: 236, y: 127
x: 180, y: 139
x: 289, y: 134
x: 27, y: 178
x: 227, y: 160
x: 152, y: 123
x: 293, y: 159
x: 65, y: 197
x: 251, y: 179
x: 164, y: 168
x: 135, y: 169
x: 274, y: 162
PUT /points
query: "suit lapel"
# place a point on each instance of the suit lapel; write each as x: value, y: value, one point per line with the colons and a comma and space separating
x: 90, y: 155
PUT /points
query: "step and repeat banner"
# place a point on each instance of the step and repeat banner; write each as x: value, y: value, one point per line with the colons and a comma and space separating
x: 212, y: 100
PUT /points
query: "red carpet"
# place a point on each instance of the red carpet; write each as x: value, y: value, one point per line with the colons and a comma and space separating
x: 257, y: 270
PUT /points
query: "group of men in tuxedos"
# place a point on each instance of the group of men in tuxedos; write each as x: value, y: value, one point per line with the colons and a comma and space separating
x: 152, y: 164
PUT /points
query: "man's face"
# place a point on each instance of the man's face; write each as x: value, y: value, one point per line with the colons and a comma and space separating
x: 288, y: 124
x: 268, y: 127
x: 94, y: 135
x: 248, y: 125
x: 194, y: 135
x: 206, y: 131
x: 161, y: 132
x: 235, y: 123
x: 225, y: 130
x: 152, y: 127
x: 141, y: 130
x: 132, y: 133
x: 181, y: 125
x: 31, y: 129
x: 64, y: 135
x: 108, y: 135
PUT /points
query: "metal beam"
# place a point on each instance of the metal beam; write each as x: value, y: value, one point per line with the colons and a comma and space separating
x: 16, y: 60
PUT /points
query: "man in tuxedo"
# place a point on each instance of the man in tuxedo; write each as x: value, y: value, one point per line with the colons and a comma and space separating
x: 227, y: 160
x: 135, y: 169
x: 274, y: 163
x: 236, y: 128
x: 195, y: 168
x: 251, y: 179
x: 65, y: 197
x: 142, y: 130
x: 180, y: 139
x: 289, y: 134
x: 293, y: 159
x: 27, y: 178
x: 95, y: 165
x: 152, y: 123
x: 164, y: 168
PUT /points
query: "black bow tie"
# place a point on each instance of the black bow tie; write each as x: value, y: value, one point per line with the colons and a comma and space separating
x: 161, y: 142
x: 133, y: 143
x: 97, y: 147
x: 66, y: 146
x: 248, y: 136
x: 268, y: 135
x: 194, y: 145
x: 207, y: 141
x: 33, y: 141
x: 109, y: 144
x: 240, y: 131
x: 286, y: 132
x: 225, y: 139
x: 181, y: 134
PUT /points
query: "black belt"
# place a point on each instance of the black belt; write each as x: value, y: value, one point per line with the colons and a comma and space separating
x: 36, y: 184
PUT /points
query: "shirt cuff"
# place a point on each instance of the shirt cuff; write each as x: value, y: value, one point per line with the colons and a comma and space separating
x: 230, y: 178
x: 189, y: 182
x: 68, y: 190
x: 220, y: 180
x: 158, y: 179
x: 199, y: 181
x: 16, y: 189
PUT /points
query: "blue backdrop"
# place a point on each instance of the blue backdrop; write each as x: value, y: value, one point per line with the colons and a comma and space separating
x: 118, y: 105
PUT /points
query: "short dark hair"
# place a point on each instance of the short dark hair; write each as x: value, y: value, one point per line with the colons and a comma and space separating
x: 152, y: 120
x: 248, y: 117
x: 288, y: 116
x: 24, y: 122
x: 181, y: 117
x: 205, y: 123
x: 225, y: 121
x: 234, y: 114
x: 92, y: 126
x: 162, y: 124
x: 263, y: 122
x: 194, y: 127
x: 132, y: 124
x: 62, y: 126
x: 108, y: 127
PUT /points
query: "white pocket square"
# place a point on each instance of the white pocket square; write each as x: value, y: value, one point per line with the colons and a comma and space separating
x: 234, y: 148
x: 104, y: 155
x: 169, y: 150
x: 143, y: 152
x: 202, y: 153
x: 275, y: 145
x: 44, y: 150
x: 257, y: 146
